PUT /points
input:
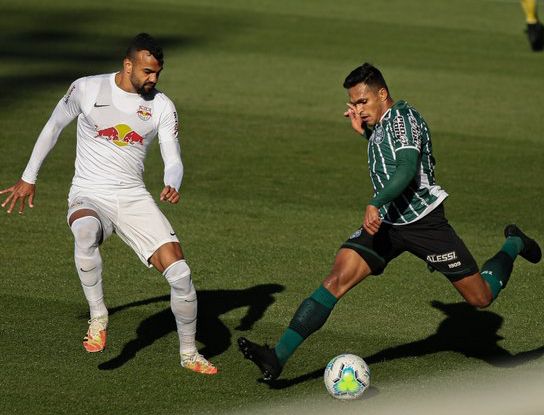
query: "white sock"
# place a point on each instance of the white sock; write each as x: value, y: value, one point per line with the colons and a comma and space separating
x: 183, y: 303
x: 87, y: 233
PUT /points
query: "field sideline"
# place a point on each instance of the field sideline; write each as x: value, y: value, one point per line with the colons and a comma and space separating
x: 275, y: 181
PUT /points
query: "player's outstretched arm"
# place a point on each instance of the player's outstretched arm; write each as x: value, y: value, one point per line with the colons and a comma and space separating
x: 19, y: 192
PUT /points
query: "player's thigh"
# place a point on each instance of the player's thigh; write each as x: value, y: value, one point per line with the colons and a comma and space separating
x: 80, y: 214
x: 80, y: 205
x: 435, y: 241
x: 142, y: 226
x: 360, y: 256
x: 376, y: 250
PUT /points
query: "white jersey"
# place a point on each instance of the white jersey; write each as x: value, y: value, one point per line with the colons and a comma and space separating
x: 114, y: 131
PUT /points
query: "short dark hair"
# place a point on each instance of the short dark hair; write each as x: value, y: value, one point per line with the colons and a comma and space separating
x: 144, y: 41
x: 366, y: 74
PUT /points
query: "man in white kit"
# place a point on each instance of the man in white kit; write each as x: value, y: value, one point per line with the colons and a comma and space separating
x: 118, y: 116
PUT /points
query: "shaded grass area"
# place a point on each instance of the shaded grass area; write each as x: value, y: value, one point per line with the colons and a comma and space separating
x: 275, y: 181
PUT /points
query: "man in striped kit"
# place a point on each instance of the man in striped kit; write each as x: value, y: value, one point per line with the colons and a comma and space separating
x: 404, y: 214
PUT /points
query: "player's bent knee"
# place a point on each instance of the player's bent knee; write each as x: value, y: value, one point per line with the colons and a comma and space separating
x: 166, y: 255
x: 87, y: 232
x: 339, y: 284
x: 345, y: 276
x: 178, y: 276
x: 332, y: 284
x: 479, y: 301
x: 183, y: 301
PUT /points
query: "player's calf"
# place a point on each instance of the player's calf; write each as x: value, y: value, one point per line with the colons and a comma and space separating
x: 475, y: 290
x: 183, y: 303
x: 480, y: 300
x: 87, y: 232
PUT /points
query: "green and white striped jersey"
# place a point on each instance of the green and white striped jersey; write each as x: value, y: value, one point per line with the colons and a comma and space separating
x: 403, y: 128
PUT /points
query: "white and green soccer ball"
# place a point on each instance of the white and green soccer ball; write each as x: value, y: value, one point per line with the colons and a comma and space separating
x: 347, y: 376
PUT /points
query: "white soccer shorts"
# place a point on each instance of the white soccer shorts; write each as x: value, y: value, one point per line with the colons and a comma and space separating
x: 130, y: 213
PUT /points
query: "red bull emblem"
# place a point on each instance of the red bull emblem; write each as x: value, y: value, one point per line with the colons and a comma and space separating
x: 144, y: 113
x: 121, y: 135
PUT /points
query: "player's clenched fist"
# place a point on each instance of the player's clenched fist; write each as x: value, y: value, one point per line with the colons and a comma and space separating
x: 170, y: 194
x: 372, y: 220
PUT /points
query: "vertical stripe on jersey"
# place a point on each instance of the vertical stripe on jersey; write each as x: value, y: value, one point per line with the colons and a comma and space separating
x: 384, y: 166
x: 427, y: 150
x: 423, y: 202
x: 424, y: 179
x: 399, y: 213
x: 409, y: 204
x: 372, y: 177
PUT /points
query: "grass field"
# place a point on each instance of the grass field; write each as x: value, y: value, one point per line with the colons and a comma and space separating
x: 274, y: 181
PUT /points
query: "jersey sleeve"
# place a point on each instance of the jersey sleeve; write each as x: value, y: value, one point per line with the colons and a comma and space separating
x: 406, y: 168
x: 406, y: 131
x: 68, y: 108
x: 168, y: 123
x: 169, y: 146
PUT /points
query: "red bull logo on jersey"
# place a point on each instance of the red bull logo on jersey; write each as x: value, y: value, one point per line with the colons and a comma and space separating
x: 121, y: 135
x: 144, y: 113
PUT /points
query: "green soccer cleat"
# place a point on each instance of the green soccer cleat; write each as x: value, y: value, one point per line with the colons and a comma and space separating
x: 531, y: 251
x: 263, y: 356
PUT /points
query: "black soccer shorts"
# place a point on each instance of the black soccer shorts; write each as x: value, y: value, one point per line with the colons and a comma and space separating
x: 431, y: 238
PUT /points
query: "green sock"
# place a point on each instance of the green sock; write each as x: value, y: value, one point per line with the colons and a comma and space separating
x: 512, y: 246
x: 496, y: 271
x: 310, y: 317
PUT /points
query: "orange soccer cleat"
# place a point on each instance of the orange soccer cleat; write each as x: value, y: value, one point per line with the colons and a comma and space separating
x: 197, y: 363
x: 95, y: 340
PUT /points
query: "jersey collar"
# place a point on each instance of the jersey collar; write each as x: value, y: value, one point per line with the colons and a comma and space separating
x: 397, y: 105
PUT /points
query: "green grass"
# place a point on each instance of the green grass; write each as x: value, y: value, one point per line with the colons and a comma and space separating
x: 275, y: 181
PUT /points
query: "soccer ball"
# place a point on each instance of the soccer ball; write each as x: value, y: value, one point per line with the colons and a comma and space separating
x: 347, y: 376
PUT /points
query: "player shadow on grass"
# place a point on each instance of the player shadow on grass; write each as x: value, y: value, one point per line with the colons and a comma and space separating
x: 211, y: 331
x: 465, y: 330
